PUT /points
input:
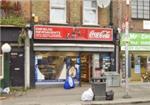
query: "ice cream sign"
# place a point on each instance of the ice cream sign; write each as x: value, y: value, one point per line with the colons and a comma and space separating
x: 72, y: 33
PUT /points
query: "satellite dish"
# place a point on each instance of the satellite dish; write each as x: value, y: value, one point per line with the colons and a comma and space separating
x: 103, y: 3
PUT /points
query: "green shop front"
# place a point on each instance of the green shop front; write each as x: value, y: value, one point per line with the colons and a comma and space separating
x: 139, y: 57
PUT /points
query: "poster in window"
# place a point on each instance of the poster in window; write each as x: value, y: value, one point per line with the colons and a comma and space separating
x: 137, y: 69
x: 137, y: 65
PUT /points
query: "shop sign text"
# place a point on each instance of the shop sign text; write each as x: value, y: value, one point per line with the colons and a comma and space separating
x: 137, y: 39
x: 72, y: 33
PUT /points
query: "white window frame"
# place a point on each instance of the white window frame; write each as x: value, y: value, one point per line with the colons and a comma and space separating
x: 58, y: 7
x: 84, y: 8
x: 140, y: 9
x: 2, y: 67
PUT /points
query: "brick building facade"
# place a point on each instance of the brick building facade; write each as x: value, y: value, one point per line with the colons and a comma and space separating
x: 97, y: 54
x: 101, y: 52
x: 138, y: 15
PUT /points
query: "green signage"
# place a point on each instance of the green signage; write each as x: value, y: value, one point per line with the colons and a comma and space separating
x: 136, y: 48
x: 136, y: 39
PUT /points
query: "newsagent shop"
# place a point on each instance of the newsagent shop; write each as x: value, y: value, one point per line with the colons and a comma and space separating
x: 139, y: 57
x: 76, y: 51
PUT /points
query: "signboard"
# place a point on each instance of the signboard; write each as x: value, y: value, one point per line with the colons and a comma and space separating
x: 146, y: 24
x: 1, y: 67
x: 137, y: 48
x: 72, y: 33
x: 137, y: 41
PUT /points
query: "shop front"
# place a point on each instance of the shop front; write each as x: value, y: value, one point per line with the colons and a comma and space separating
x: 79, y: 52
x: 139, y: 54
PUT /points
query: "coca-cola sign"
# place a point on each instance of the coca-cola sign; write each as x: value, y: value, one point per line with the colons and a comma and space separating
x: 72, y: 33
x: 103, y: 34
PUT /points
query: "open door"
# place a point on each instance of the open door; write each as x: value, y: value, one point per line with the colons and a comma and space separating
x: 85, y: 67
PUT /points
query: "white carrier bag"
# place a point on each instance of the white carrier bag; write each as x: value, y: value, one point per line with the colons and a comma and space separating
x: 87, y: 95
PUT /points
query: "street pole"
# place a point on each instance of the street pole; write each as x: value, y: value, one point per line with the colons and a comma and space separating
x: 126, y: 49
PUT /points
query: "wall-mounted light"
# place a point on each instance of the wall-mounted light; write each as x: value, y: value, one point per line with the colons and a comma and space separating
x: 30, y: 33
x: 35, y: 18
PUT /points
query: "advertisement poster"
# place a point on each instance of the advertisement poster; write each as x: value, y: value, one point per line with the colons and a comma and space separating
x: 137, y: 69
x: 137, y: 65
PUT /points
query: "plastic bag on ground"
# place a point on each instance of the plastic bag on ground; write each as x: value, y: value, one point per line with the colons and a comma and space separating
x: 87, y: 95
x: 69, y: 83
x: 6, y: 90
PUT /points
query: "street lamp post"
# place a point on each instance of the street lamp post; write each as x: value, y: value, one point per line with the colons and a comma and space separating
x: 6, y: 48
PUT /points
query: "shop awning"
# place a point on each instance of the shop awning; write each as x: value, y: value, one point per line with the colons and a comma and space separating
x: 74, y: 47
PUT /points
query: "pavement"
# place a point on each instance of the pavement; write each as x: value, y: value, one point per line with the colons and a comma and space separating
x: 139, y: 92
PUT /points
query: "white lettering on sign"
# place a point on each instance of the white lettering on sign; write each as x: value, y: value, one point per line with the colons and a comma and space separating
x: 102, y: 34
x: 47, y: 32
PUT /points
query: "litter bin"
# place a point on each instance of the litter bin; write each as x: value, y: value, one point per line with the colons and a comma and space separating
x: 99, y: 88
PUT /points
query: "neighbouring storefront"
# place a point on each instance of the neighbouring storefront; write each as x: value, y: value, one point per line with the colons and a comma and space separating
x: 139, y: 54
x: 14, y: 60
x: 76, y: 51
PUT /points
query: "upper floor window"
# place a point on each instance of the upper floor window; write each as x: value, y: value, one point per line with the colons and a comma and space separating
x: 140, y: 9
x: 90, y: 12
x: 58, y: 11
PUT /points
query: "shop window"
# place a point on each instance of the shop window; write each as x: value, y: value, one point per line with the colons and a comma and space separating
x: 56, y: 66
x: 140, y: 9
x: 50, y: 67
x: 107, y: 62
x: 58, y: 11
x: 90, y: 12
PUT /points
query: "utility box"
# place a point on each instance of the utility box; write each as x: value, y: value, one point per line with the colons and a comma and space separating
x: 112, y: 79
x: 99, y: 88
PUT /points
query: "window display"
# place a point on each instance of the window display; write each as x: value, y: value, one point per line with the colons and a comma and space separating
x: 107, y: 61
x: 56, y: 66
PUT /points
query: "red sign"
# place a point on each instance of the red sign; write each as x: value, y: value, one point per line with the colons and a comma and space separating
x: 72, y: 33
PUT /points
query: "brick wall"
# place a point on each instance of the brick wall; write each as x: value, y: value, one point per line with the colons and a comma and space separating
x: 119, y: 13
x: 41, y: 9
x: 26, y: 9
x: 104, y: 16
x: 74, y: 12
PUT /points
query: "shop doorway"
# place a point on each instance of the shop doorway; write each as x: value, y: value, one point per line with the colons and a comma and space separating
x: 86, y: 67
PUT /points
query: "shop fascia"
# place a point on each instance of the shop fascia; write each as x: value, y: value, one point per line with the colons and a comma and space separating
x: 137, y: 41
x: 72, y: 33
